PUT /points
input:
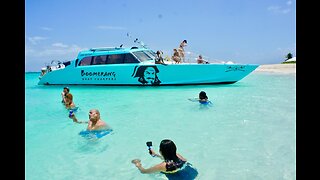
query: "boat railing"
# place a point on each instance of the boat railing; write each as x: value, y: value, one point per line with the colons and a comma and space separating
x: 54, y: 65
x: 105, y: 48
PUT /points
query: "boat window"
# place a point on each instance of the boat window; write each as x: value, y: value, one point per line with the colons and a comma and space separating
x: 85, y: 61
x: 110, y: 59
x: 142, y: 56
x: 97, y: 60
x: 151, y: 54
x: 129, y: 58
x: 115, y: 59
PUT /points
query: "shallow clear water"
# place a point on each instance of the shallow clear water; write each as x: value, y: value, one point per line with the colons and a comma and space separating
x: 248, y: 133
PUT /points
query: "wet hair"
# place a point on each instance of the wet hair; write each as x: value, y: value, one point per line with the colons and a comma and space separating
x: 69, y: 96
x: 96, y: 110
x: 66, y: 88
x: 168, y: 150
x: 203, y: 95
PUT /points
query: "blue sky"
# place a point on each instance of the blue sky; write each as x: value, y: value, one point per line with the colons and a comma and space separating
x: 242, y: 31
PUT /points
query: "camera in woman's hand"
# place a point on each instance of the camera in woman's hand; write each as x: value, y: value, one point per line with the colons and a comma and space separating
x: 149, y: 144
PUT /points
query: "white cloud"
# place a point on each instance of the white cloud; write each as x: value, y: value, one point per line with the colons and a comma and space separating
x: 280, y: 9
x: 273, y: 8
x: 111, y: 27
x: 35, y: 40
x: 60, y: 45
x: 285, y: 11
x: 57, y: 50
x: 46, y: 28
x: 29, y: 50
x: 39, y: 56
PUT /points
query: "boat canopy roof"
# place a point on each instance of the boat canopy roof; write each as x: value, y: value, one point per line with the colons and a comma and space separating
x: 109, y: 50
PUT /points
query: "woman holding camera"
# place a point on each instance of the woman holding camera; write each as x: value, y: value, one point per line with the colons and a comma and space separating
x: 173, y: 163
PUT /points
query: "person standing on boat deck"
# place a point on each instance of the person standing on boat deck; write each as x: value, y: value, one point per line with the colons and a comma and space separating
x: 95, y: 122
x: 176, y: 56
x: 65, y: 91
x: 159, y: 59
x: 173, y: 164
x: 181, y: 50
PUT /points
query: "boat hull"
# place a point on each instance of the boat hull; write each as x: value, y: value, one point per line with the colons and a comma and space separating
x: 148, y: 74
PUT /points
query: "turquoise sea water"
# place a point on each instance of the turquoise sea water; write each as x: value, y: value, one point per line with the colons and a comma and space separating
x: 248, y: 133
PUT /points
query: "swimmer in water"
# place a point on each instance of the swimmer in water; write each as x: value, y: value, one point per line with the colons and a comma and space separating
x: 172, y: 161
x: 202, y: 99
x: 95, y: 122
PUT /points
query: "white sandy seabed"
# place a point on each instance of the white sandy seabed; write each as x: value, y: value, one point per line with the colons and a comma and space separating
x: 277, y: 68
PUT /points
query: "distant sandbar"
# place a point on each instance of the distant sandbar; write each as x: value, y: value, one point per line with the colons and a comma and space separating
x: 277, y: 68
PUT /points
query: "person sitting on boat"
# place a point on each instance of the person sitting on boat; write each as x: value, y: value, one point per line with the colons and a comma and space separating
x: 159, y: 59
x: 200, y: 60
x: 176, y: 56
x: 43, y: 71
x: 173, y: 163
x: 64, y: 92
x: 95, y: 122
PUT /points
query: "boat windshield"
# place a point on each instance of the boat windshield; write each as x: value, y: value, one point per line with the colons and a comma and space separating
x: 145, y: 55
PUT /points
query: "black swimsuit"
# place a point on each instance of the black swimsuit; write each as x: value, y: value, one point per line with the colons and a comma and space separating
x: 173, y: 166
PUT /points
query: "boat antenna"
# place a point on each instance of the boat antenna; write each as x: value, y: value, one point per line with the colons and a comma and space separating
x: 137, y: 41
